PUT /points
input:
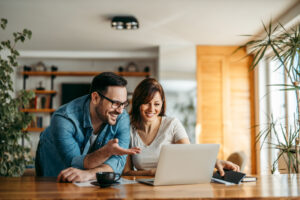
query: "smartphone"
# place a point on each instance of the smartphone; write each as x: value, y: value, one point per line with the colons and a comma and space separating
x: 231, y: 177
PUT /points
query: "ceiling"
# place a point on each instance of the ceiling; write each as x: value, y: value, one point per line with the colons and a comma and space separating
x: 84, y: 25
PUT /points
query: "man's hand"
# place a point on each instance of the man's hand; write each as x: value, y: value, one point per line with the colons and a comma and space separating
x: 113, y: 148
x: 75, y: 175
x: 222, y: 164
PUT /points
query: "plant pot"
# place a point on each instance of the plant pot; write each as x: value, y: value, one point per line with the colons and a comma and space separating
x: 283, y: 161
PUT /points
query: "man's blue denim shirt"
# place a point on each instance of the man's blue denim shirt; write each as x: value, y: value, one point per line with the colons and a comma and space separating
x: 65, y: 142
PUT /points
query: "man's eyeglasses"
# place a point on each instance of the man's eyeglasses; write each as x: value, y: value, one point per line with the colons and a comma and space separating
x: 115, y: 104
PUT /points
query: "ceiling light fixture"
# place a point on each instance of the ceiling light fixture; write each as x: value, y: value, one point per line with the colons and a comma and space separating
x: 124, y: 22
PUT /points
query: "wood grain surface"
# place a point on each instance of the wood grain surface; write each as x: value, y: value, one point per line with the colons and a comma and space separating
x: 267, y: 187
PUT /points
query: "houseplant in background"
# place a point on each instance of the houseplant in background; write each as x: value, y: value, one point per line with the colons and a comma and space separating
x: 185, y: 109
x: 13, y: 155
x: 284, y: 45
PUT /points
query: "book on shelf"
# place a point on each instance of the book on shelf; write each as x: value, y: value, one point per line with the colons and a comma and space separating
x: 45, y: 101
x: 40, y: 102
x: 33, y: 123
x: 37, y: 122
x: 32, y: 103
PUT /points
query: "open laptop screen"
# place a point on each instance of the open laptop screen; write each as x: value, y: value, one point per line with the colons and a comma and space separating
x: 186, y: 164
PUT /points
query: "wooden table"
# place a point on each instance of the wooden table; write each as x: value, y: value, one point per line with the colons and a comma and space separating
x: 267, y: 187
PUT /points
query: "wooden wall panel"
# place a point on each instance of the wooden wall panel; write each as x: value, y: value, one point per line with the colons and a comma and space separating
x: 211, y: 101
x: 224, y: 101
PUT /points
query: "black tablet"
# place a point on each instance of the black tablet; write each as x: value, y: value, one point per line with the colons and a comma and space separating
x: 231, y: 177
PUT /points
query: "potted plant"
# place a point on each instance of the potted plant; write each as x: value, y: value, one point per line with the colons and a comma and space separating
x: 284, y: 45
x: 14, y: 156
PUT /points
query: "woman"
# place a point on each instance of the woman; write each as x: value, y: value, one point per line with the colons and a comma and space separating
x: 151, y: 129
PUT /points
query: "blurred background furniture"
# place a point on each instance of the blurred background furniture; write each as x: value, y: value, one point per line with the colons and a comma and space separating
x: 238, y: 158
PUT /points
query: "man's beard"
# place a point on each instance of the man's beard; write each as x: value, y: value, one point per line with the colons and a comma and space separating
x: 103, y: 117
x: 100, y: 116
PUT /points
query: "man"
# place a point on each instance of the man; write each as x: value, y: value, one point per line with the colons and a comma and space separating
x: 89, y: 134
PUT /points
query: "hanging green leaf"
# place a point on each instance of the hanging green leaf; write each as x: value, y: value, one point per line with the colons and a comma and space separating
x: 13, y: 156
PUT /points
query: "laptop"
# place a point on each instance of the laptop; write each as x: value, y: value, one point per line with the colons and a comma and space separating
x: 184, y: 164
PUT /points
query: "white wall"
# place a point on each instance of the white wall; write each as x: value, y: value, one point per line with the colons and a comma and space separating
x: 177, y: 62
x: 177, y: 74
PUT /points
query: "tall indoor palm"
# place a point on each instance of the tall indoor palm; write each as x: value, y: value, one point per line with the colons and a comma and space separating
x: 284, y: 45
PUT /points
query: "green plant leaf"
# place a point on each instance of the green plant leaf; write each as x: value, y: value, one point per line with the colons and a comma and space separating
x: 3, y: 23
x: 13, y: 156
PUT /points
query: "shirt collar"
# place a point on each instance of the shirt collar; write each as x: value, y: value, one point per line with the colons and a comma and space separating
x: 87, y: 123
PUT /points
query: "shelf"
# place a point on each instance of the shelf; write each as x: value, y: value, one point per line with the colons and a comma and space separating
x: 33, y: 110
x: 73, y: 73
x: 34, y: 129
x: 44, y: 91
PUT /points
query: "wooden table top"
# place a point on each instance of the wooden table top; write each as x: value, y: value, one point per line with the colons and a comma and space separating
x: 267, y: 187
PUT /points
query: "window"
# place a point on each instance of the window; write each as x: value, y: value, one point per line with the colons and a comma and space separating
x: 277, y: 104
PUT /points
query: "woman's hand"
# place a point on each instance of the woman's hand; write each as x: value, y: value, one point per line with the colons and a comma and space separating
x: 222, y: 164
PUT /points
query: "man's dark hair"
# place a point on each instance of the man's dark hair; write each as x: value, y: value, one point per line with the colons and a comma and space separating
x: 106, y: 79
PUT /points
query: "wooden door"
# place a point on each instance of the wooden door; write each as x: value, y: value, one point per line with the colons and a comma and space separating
x: 225, y: 101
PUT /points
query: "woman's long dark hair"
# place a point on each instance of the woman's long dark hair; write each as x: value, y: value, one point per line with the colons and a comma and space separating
x: 143, y: 94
